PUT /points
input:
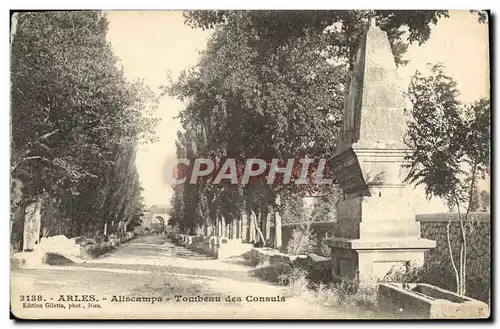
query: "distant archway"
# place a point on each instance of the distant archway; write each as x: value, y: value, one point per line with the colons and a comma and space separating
x: 159, y: 223
x: 155, y: 219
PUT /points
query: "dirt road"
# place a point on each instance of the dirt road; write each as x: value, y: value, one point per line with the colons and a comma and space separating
x: 150, y: 278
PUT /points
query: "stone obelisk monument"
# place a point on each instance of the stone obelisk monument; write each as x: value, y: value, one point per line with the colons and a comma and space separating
x: 376, y: 228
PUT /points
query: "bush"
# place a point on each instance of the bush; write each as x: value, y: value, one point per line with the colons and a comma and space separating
x: 56, y: 259
x: 436, y: 274
x: 322, y: 249
x: 302, y: 241
x: 291, y: 275
x: 345, y: 293
x: 93, y: 250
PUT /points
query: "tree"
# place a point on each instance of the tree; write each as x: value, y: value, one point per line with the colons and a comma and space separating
x: 279, y: 88
x: 73, y: 113
x: 451, y: 150
x: 244, y: 108
x: 140, y: 209
x: 345, y: 27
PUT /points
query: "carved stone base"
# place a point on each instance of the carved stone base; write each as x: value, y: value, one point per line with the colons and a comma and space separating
x: 373, y: 259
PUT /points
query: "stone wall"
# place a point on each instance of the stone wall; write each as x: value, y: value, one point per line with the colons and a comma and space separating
x: 478, y: 265
x: 433, y: 227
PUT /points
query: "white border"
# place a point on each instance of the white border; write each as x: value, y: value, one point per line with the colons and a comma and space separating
x: 191, y: 4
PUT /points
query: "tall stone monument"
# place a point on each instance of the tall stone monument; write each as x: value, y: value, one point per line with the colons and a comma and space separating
x: 376, y: 228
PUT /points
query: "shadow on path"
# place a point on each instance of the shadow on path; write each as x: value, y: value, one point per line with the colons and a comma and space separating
x: 234, y: 275
x: 158, y: 254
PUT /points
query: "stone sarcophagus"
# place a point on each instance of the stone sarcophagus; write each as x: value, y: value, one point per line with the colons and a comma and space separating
x: 424, y: 301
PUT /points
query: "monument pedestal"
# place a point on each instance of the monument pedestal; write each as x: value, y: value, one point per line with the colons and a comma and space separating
x: 376, y: 229
x: 373, y: 259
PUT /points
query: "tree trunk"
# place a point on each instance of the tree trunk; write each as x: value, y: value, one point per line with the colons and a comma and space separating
x: 465, y: 269
x: 461, y: 271
x: 258, y: 226
x: 258, y: 230
x: 49, y: 218
x: 277, y: 233
x: 269, y: 218
x: 234, y: 229
x: 125, y: 225
x: 219, y: 226
x: 450, y: 250
x: 32, y: 222
x: 223, y: 227
x: 263, y: 224
x: 251, y: 230
x: 17, y: 227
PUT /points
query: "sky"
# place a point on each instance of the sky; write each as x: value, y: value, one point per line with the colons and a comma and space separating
x: 151, y: 44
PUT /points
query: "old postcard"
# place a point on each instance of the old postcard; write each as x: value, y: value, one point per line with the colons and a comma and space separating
x: 274, y: 164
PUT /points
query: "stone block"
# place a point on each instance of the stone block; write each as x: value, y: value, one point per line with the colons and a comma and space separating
x: 320, y: 272
x: 79, y: 240
x: 313, y: 258
x: 301, y: 261
x: 373, y: 258
x: 280, y: 258
x: 60, y: 245
x: 256, y: 256
x: 389, y: 229
x: 28, y: 260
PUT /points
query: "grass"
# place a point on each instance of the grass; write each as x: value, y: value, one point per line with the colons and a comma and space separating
x: 345, y: 294
x: 96, y: 250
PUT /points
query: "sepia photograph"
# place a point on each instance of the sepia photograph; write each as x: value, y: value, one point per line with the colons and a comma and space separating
x: 250, y: 164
